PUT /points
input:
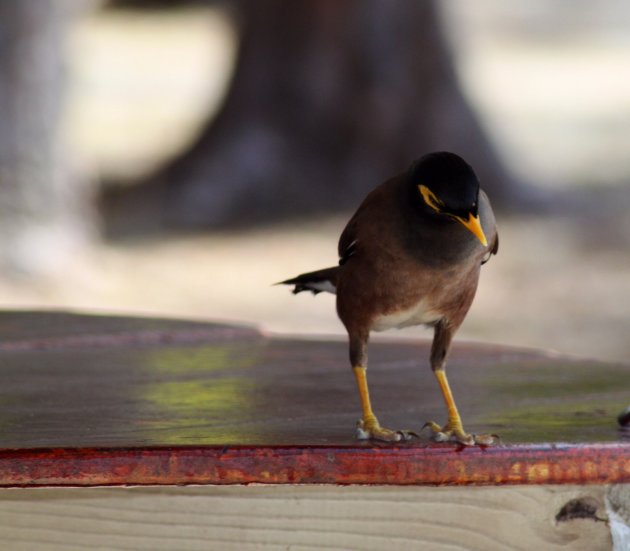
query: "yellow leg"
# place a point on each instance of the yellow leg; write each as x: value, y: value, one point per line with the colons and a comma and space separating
x: 364, y: 395
x: 454, y: 420
x: 454, y: 427
x: 368, y: 427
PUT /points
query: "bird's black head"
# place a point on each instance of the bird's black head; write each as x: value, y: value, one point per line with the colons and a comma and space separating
x: 446, y: 185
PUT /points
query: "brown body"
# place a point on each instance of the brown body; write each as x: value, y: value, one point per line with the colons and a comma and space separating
x: 404, y: 261
x: 399, y: 265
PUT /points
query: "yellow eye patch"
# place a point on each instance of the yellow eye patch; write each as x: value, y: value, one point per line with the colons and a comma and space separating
x: 431, y: 199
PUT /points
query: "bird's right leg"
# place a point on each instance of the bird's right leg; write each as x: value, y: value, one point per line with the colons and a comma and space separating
x: 453, y: 429
x: 368, y: 426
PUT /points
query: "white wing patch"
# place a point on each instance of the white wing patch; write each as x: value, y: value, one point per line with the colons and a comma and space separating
x: 348, y: 252
x: 325, y: 286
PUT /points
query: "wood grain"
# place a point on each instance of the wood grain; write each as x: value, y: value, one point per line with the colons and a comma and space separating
x: 299, y: 518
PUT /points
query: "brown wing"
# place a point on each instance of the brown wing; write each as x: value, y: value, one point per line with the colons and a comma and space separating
x: 347, y: 242
x: 489, y: 226
x: 493, y: 250
x: 376, y: 206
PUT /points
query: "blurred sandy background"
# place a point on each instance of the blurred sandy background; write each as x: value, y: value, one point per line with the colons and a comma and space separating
x: 562, y: 277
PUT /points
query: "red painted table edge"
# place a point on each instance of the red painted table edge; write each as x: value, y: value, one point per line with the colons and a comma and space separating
x: 397, y: 465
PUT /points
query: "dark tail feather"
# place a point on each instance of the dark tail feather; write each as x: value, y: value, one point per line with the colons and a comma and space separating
x: 316, y: 282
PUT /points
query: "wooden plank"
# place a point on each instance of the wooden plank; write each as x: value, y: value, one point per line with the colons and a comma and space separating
x: 368, y: 464
x: 302, y: 517
x: 101, y: 400
x: 51, y: 330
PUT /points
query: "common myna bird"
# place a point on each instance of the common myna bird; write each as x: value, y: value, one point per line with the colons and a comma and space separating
x: 411, y: 255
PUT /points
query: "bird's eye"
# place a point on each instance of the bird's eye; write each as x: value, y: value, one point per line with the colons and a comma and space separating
x: 430, y: 198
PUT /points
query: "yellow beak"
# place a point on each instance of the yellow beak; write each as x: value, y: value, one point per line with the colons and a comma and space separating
x: 474, y: 226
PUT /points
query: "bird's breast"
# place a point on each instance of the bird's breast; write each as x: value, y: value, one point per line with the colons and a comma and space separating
x: 419, y: 314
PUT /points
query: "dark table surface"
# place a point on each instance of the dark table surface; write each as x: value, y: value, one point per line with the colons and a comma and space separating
x: 116, y: 400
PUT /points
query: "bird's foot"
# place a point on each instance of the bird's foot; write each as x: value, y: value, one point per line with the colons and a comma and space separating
x: 370, y: 429
x: 454, y: 432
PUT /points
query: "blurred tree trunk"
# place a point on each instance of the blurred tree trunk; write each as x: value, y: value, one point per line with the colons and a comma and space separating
x: 328, y: 99
x: 43, y: 214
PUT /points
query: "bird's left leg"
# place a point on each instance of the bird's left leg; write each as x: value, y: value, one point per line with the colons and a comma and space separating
x: 368, y: 426
x: 453, y: 429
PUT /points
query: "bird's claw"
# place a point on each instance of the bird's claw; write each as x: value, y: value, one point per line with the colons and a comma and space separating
x: 453, y: 433
x: 408, y: 434
x: 371, y: 430
x: 486, y: 439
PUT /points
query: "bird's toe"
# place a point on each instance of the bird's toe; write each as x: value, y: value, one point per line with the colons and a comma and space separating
x: 440, y: 436
x: 372, y: 430
x: 486, y: 439
x: 454, y: 432
x: 408, y: 434
x: 464, y: 439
